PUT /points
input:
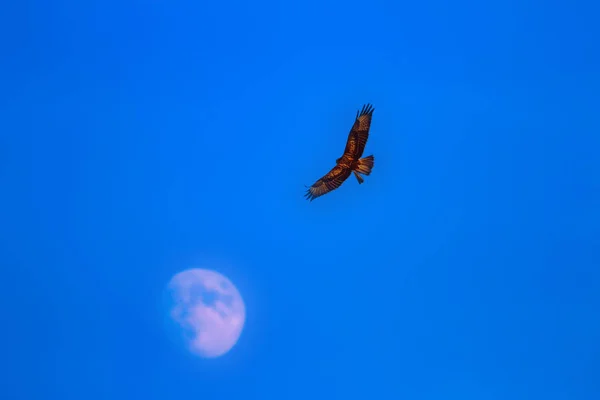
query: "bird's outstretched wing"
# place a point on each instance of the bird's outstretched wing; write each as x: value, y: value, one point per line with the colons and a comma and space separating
x: 331, y: 181
x: 357, y: 138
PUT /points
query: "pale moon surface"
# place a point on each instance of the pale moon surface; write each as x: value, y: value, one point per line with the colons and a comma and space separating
x: 209, y: 310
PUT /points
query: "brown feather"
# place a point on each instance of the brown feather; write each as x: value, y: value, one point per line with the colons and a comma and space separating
x: 357, y: 138
x: 331, y: 181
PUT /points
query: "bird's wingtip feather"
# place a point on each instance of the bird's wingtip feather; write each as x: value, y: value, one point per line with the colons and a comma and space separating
x: 367, y: 109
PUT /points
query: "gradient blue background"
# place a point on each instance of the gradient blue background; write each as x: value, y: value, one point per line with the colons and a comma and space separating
x: 141, y: 138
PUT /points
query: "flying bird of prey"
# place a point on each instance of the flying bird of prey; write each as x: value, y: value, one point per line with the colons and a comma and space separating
x: 350, y: 161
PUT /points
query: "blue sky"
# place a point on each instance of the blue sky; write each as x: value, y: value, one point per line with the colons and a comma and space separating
x: 138, y: 139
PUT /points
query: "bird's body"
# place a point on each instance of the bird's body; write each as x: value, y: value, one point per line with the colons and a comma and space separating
x: 351, y: 161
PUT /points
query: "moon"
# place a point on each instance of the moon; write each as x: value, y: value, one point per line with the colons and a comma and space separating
x: 208, y: 309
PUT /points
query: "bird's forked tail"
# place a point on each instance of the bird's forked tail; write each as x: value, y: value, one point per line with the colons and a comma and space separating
x: 364, y: 166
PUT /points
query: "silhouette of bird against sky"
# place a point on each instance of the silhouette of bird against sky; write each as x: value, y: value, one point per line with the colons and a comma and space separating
x: 350, y: 161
